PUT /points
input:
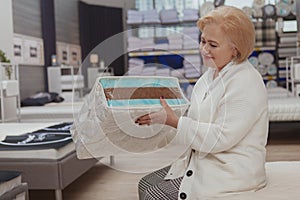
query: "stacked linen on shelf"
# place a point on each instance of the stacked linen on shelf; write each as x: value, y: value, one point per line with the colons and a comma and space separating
x: 190, y: 38
x: 287, y: 52
x: 147, y: 44
x: 134, y: 17
x: 289, y: 40
x: 179, y: 73
x: 149, y: 70
x: 288, y: 45
x: 134, y: 43
x: 163, y: 72
x: 161, y: 44
x: 135, y: 66
x: 150, y: 16
x: 190, y: 14
x: 175, y: 41
x: 191, y: 65
x: 169, y: 16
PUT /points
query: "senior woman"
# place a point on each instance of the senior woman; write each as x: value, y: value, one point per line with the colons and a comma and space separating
x: 227, y: 122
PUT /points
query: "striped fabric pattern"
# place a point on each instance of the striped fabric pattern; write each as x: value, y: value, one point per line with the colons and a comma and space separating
x: 141, y: 91
x: 153, y: 186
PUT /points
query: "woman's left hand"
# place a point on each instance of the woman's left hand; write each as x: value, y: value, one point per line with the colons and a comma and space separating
x: 165, y: 116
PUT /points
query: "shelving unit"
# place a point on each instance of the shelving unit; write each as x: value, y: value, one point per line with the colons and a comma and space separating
x: 171, y: 37
x: 158, y: 53
x: 293, y: 75
x: 167, y: 56
x: 265, y: 60
x: 9, y: 92
x: 287, y: 45
x: 66, y: 81
x: 269, y: 37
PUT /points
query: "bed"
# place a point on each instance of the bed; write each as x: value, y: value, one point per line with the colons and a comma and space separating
x: 43, y: 169
x: 283, y: 106
x: 284, y: 109
x: 52, y: 112
x: 282, y: 183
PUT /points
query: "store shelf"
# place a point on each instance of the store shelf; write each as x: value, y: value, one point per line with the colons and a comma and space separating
x: 9, y: 92
x: 292, y: 76
x: 64, y: 81
x: 161, y: 24
x: 192, y: 80
x: 271, y: 48
x: 269, y: 78
x: 167, y: 52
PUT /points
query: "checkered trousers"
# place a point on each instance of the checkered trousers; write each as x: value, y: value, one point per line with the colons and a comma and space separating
x: 154, y: 187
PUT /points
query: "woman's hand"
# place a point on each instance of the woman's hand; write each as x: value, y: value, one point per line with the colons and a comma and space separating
x: 165, y: 116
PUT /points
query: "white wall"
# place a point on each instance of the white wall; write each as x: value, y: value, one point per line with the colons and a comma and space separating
x: 6, y: 24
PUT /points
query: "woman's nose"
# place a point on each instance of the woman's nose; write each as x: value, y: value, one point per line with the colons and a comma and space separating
x: 204, y: 48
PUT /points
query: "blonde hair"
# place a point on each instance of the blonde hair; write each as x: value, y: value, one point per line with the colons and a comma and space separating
x: 237, y: 27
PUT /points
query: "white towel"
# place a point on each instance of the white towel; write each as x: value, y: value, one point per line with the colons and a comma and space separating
x: 188, y: 30
x: 178, y: 73
x: 163, y: 72
x: 136, y: 61
x: 162, y: 46
x: 175, y: 46
x: 192, y: 59
x: 175, y: 37
x: 169, y: 16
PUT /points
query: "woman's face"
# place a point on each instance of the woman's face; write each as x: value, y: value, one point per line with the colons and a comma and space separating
x: 215, y: 48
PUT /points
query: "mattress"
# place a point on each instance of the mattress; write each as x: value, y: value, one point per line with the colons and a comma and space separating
x: 52, y: 112
x: 283, y: 182
x: 44, y: 154
x: 284, y: 109
x: 278, y: 92
x: 106, y: 123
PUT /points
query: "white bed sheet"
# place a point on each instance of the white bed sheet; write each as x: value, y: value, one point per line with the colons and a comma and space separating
x: 283, y: 182
x: 283, y: 106
x: 284, y: 109
x: 52, y: 112
x: 21, y: 128
x: 278, y: 92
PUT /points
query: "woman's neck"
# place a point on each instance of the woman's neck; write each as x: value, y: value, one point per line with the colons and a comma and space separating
x: 218, y: 69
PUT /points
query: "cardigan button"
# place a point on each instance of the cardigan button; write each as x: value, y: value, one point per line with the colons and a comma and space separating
x: 182, y: 195
x: 189, y: 173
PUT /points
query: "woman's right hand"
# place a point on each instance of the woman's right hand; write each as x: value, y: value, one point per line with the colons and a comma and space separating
x: 165, y: 116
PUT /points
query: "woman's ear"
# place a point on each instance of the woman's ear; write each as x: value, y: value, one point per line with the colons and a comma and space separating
x: 235, y: 53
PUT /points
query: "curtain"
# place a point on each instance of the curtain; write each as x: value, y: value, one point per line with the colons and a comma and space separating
x: 96, y: 24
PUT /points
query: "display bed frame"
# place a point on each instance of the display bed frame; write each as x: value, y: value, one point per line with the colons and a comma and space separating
x: 45, y: 169
x: 49, y: 174
x: 52, y: 112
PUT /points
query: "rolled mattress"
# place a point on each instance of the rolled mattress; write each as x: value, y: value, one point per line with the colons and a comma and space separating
x: 106, y: 123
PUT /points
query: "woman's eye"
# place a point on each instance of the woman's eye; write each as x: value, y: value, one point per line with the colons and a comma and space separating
x: 213, y: 45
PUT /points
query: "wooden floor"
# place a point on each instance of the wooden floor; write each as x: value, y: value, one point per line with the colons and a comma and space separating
x: 105, y: 183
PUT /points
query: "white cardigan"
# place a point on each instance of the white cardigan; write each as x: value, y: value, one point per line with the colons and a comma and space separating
x: 226, y: 129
